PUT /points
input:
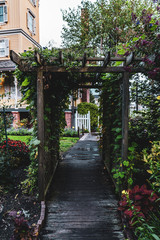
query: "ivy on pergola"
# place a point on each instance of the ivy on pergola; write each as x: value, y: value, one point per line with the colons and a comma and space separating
x: 105, y: 67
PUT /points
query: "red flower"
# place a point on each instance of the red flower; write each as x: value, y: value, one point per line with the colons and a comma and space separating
x: 128, y: 213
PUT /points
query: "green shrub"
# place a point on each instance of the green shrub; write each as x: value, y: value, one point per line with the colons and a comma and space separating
x: 85, y: 107
x: 68, y: 132
x: 17, y: 151
x: 152, y: 161
x: 30, y: 184
x: 19, y: 131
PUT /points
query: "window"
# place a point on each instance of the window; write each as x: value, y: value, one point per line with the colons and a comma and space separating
x: 31, y: 22
x: 3, y: 13
x: 34, y: 2
x: 4, y: 47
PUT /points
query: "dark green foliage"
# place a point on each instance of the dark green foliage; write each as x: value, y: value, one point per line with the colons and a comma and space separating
x: 84, y: 107
x: 19, y: 131
x: 17, y: 151
x: 57, y: 88
x: 98, y: 27
x: 112, y: 111
x: 69, y: 133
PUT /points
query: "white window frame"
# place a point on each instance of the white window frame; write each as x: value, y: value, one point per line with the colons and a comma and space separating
x: 33, y: 28
x: 4, y: 44
x: 5, y: 13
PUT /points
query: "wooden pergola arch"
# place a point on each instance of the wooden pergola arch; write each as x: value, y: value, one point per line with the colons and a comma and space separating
x: 84, y: 68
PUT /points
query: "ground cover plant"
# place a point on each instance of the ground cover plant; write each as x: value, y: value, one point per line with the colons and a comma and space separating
x: 25, y: 139
x: 19, y: 131
x: 67, y: 142
x: 68, y: 132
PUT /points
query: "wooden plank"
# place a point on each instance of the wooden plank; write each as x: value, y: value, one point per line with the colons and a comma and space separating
x: 90, y: 86
x: 105, y: 63
x: 107, y: 59
x: 60, y: 57
x: 90, y: 69
x: 15, y: 57
x: 125, y: 115
x: 130, y: 59
x: 40, y: 121
x: 84, y: 60
x: 114, y: 59
x: 38, y: 57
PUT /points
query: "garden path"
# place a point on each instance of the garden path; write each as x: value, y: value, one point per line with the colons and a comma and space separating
x: 81, y: 202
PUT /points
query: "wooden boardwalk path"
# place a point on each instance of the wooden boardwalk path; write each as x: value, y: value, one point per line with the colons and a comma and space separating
x: 81, y: 203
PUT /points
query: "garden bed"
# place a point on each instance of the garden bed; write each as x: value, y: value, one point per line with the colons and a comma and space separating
x: 12, y: 199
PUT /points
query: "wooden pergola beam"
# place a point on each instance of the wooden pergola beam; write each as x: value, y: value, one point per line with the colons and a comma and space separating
x: 90, y: 69
x: 37, y: 58
x: 40, y: 123
x: 15, y: 58
x: 60, y: 57
x: 129, y: 59
x: 84, y: 60
x: 112, y: 59
x: 125, y: 115
x: 105, y: 63
x: 18, y: 60
x: 89, y: 86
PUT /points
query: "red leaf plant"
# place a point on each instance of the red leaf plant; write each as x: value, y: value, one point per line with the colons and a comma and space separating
x: 137, y: 202
x: 16, y: 149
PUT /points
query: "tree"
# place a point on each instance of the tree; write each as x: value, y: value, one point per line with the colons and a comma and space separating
x: 107, y: 23
x: 84, y: 107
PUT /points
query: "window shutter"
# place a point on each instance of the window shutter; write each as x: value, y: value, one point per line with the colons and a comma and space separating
x: 28, y: 19
x: 5, y: 13
x: 34, y: 26
x: 7, y: 47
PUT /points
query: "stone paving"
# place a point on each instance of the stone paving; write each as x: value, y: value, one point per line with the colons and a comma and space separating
x: 81, y: 202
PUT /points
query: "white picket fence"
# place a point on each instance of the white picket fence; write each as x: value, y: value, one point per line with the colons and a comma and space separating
x: 82, y: 121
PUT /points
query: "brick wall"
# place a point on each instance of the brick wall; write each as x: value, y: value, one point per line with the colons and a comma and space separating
x: 68, y: 118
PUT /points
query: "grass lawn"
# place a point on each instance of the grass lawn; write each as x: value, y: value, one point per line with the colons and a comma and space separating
x: 65, y: 142
x: 25, y: 139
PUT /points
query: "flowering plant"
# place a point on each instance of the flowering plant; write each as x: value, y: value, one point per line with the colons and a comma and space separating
x: 22, y: 228
x: 17, y: 150
x: 137, y: 202
x: 146, y: 41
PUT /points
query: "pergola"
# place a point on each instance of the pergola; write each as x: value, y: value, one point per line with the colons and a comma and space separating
x: 83, y: 69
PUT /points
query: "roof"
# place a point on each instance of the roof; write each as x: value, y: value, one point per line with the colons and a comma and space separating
x: 7, y: 65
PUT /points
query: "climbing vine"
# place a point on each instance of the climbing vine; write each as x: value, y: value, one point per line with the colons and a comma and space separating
x: 57, y: 88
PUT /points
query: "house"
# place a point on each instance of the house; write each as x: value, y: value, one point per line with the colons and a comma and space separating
x: 19, y: 31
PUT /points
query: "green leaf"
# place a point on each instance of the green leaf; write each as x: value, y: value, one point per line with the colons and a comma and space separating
x: 121, y: 52
x: 118, y: 130
x: 135, y: 39
x: 25, y: 82
x: 131, y: 149
x: 126, y: 163
x: 155, y: 236
x: 36, y: 142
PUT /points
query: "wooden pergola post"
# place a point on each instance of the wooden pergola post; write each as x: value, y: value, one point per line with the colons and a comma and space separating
x: 40, y: 121
x: 125, y: 115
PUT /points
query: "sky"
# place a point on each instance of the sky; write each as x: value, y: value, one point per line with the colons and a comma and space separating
x: 51, y: 19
